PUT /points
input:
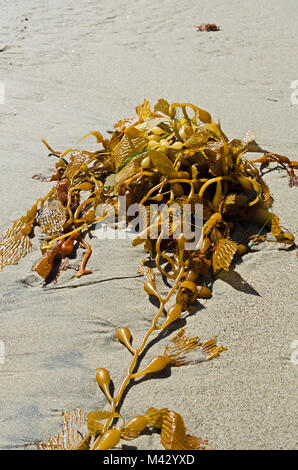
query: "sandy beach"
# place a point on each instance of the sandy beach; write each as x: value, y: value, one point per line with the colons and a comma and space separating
x: 69, y: 70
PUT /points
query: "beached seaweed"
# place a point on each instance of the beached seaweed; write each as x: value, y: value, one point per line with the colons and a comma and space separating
x: 169, y: 163
x: 208, y: 27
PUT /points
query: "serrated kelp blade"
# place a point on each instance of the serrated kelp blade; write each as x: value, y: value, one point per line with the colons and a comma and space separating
x: 144, y: 110
x: 78, y: 161
x: 14, y: 229
x: 132, y: 168
x: 233, y: 203
x: 51, y: 218
x: 125, y: 148
x: 73, y: 430
x: 179, y: 346
x: 13, y: 248
x: 223, y: 254
x: 211, y: 350
x: 173, y: 434
x: 162, y: 106
x: 154, y: 416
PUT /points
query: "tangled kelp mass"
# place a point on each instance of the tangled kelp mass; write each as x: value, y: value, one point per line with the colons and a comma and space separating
x: 165, y: 160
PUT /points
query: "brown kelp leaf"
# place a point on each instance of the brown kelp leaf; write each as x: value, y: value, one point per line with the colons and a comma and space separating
x: 155, y: 416
x: 78, y: 161
x: 179, y: 347
x: 208, y: 27
x: 130, y: 169
x: 197, y: 140
x: 199, y: 113
x: 223, y: 255
x: 161, y: 162
x: 173, y: 434
x: 173, y: 430
x: 162, y: 106
x: 275, y: 225
x: 233, y: 202
x: 73, y: 430
x: 283, y: 237
x: 182, y: 345
x: 51, y: 217
x: 215, y: 132
x: 211, y: 350
x: 95, y: 427
x: 144, y: 110
x: 126, y: 149
x: 13, y: 247
x: 16, y: 227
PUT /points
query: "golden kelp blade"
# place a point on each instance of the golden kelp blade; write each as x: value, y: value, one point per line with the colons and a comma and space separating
x: 72, y: 434
x: 223, y: 255
x: 154, y: 416
x: 275, y: 225
x: 162, y: 106
x: 173, y: 430
x: 78, y: 161
x: 13, y: 248
x: 126, y: 148
x: 161, y: 162
x: 234, y: 203
x: 15, y: 229
x: 174, y: 437
x: 51, y: 217
x: 127, y: 171
x: 181, y: 345
x: 144, y: 110
x: 211, y: 350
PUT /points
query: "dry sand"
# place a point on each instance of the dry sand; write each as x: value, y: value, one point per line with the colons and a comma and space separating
x: 72, y: 69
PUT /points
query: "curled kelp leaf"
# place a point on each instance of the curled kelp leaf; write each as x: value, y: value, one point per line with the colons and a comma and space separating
x: 173, y: 431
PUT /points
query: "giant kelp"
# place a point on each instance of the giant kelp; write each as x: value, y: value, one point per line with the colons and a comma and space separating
x: 177, y: 157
